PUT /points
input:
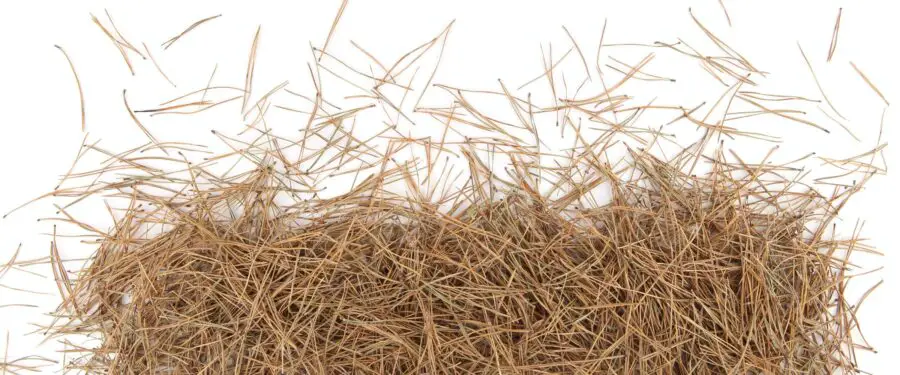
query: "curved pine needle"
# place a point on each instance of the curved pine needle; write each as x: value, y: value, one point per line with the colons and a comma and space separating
x: 846, y: 129
x: 725, y: 10
x: 77, y: 84
x: 168, y: 43
x: 834, y: 36
x: 251, y: 65
x: 138, y: 122
x: 158, y: 69
x: 118, y: 44
x: 816, y: 79
x: 121, y: 39
x: 587, y: 70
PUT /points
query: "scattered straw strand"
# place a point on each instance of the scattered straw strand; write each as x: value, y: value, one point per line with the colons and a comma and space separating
x: 869, y: 82
x: 251, y: 66
x: 78, y: 85
x: 819, y: 85
x: 337, y: 18
x: 168, y: 43
x: 834, y: 36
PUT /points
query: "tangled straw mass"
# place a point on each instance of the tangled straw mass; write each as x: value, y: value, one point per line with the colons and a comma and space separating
x: 476, y: 249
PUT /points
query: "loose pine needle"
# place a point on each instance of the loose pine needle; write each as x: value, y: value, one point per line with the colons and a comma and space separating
x: 77, y: 84
x: 168, y: 43
x: 158, y: 69
x: 117, y: 43
x: 869, y: 82
x: 725, y: 10
x: 251, y: 66
x: 138, y: 122
x: 337, y: 18
x: 834, y: 36
x: 816, y: 79
x: 587, y: 70
x: 121, y: 39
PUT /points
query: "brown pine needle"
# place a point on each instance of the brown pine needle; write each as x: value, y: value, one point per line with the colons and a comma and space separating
x: 251, y: 65
x: 11, y: 262
x: 138, y: 122
x: 437, y: 64
x: 18, y: 305
x: 600, y: 47
x: 846, y: 129
x: 578, y: 49
x: 816, y: 79
x: 74, y: 162
x: 548, y: 71
x: 337, y: 18
x: 118, y: 44
x: 834, y: 36
x: 158, y: 69
x: 869, y: 82
x: 168, y: 43
x: 121, y: 39
x: 783, y: 115
x: 77, y: 84
x: 209, y: 83
x: 725, y: 10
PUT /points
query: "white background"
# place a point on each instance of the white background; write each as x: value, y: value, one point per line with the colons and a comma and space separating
x: 40, y: 128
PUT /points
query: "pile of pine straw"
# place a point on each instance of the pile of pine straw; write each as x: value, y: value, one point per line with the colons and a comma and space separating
x: 600, y: 258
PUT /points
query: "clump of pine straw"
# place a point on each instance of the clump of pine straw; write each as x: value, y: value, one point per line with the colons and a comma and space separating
x: 692, y: 264
x: 676, y: 274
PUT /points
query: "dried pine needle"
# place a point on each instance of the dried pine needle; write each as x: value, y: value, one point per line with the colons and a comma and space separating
x: 158, y: 69
x: 138, y: 122
x: 337, y: 18
x: 251, y: 66
x: 168, y: 43
x: 446, y: 35
x: 830, y: 117
x: 816, y: 79
x: 725, y: 10
x: 547, y: 70
x: 209, y: 83
x: 834, y: 36
x: 587, y: 70
x: 117, y: 43
x: 77, y: 84
x: 24, y: 364
x: 121, y: 39
x: 869, y: 82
